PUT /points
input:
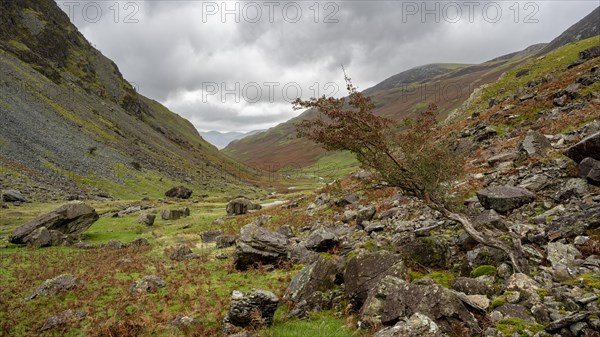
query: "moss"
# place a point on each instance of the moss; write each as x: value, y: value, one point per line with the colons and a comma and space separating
x: 590, y: 280
x: 512, y: 325
x: 370, y: 245
x: 444, y: 278
x: 498, y: 301
x: 18, y: 45
x: 483, y: 270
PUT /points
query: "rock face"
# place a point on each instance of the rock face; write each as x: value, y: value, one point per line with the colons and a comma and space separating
x: 180, y: 192
x: 147, y: 219
x: 364, y: 272
x: 535, y: 144
x: 430, y: 299
x: 12, y: 196
x: 255, y: 308
x: 257, y: 245
x: 72, y: 218
x: 306, y: 288
x: 504, y: 198
x: 588, y: 147
x: 241, y: 206
x: 174, y: 214
x: 54, y: 286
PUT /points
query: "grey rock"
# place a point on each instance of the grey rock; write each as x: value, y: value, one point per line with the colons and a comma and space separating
x: 588, y: 147
x: 210, y: 236
x: 319, y: 276
x: 114, y: 244
x: 147, y: 219
x: 566, y: 321
x: 54, y: 286
x: 364, y: 271
x: 286, y: 230
x: 257, y: 245
x: 180, y: 192
x: 428, y: 251
x: 373, y: 226
x: 504, y: 198
x: 147, y: 284
x: 139, y: 242
x: 255, y: 308
x: 174, y: 214
x: 418, y: 325
x: 182, y: 253
x: 239, y: 206
x: 390, y: 213
x: 365, y: 214
x: 183, y: 321
x: 502, y: 157
x: 321, y: 240
x: 12, y: 196
x: 589, y: 169
x: 574, y: 187
x: 224, y: 241
x: 560, y: 254
x: 535, y: 144
x: 471, y: 286
x: 71, y: 218
x: 63, y: 318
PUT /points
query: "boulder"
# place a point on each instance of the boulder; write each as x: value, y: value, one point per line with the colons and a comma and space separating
x: 147, y: 284
x: 224, y: 241
x: 54, y: 286
x: 255, y: 308
x: 418, y: 325
x: 364, y: 271
x: 42, y: 237
x: 63, y: 318
x: 210, y: 236
x: 69, y: 219
x: 12, y: 196
x: 588, y: 147
x: 365, y: 214
x: 423, y: 296
x: 321, y: 240
x: 504, y: 198
x: 147, y: 219
x: 182, y: 253
x: 428, y: 251
x: 535, y: 144
x: 174, y: 214
x: 239, y: 206
x: 257, y: 245
x: 589, y: 169
x: 180, y: 192
x: 319, y: 276
x: 370, y: 312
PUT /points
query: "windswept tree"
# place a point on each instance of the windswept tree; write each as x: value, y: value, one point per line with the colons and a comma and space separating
x: 409, y: 155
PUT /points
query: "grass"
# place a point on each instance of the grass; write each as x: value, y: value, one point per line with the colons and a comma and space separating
x: 483, y: 270
x: 322, y: 324
x: 510, y: 326
x: 444, y: 278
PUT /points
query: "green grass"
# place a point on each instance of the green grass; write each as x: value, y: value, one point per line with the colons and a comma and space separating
x: 322, y: 324
x: 512, y: 325
x: 444, y: 278
x: 483, y: 270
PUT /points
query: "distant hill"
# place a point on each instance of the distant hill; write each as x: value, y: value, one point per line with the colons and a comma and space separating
x: 72, y: 125
x: 222, y: 139
x: 400, y: 96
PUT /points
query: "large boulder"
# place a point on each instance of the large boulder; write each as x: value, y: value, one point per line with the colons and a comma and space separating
x: 535, y: 144
x: 257, y: 245
x: 436, y: 302
x: 255, y: 308
x: 318, y: 277
x: 589, y: 169
x: 239, y: 206
x: 54, y: 286
x: 588, y: 147
x: 180, y: 192
x: 69, y: 219
x: 504, y: 198
x: 174, y: 214
x: 12, y: 196
x: 364, y: 271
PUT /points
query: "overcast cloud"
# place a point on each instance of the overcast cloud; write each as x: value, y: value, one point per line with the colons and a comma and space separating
x: 185, y: 53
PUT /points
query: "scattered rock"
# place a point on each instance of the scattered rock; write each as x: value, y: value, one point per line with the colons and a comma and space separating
x: 252, y: 309
x: 139, y: 242
x: 257, y: 245
x: 224, y: 241
x: 183, y: 253
x: 12, y: 196
x: 174, y: 214
x: 54, y: 286
x: 321, y: 240
x: 147, y: 284
x: 63, y: 318
x: 535, y: 144
x: 560, y: 254
x: 365, y: 214
x: 183, y: 321
x: 566, y: 321
x: 210, y: 236
x: 180, y: 192
x: 241, y: 206
x: 504, y: 198
x: 114, y: 244
x: 147, y: 219
x: 69, y: 219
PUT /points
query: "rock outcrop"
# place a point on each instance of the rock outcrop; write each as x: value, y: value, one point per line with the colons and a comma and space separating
x: 257, y: 245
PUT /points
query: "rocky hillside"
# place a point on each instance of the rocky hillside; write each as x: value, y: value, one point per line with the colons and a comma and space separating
x: 73, y: 126
x: 401, y: 96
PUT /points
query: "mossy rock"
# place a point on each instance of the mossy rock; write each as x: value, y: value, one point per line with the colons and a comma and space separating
x: 483, y: 270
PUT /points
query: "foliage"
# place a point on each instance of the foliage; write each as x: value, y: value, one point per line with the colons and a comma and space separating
x: 413, y: 159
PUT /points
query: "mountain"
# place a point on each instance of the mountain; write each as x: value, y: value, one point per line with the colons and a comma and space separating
x: 222, y: 139
x: 403, y: 95
x: 72, y: 125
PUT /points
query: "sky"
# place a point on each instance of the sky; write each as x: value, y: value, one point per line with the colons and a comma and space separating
x: 237, y: 66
